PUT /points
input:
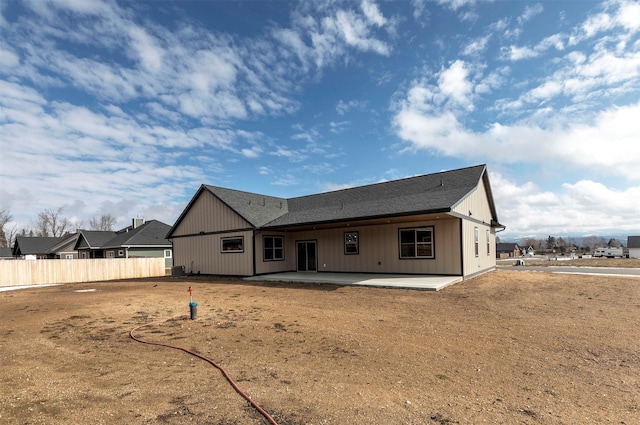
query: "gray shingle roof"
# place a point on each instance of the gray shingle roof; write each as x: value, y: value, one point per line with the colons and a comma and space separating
x: 95, y: 238
x: 633, y: 241
x: 151, y: 233
x: 414, y: 195
x: 505, y: 246
x: 256, y: 209
x: 26, y: 245
x: 437, y: 192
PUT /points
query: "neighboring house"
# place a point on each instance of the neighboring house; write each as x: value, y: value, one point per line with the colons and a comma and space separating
x: 530, y: 252
x: 90, y: 242
x: 6, y: 253
x: 633, y: 245
x: 45, y: 247
x: 507, y: 250
x: 142, y: 239
x: 437, y: 224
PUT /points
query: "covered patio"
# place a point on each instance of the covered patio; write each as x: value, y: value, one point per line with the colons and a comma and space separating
x: 419, y: 282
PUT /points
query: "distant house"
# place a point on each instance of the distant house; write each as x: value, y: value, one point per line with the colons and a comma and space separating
x: 438, y: 224
x: 33, y: 247
x: 90, y: 243
x: 633, y: 244
x: 6, y: 253
x: 141, y: 239
x: 507, y: 250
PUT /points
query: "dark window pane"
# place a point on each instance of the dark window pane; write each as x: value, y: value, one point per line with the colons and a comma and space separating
x: 424, y: 235
x: 407, y: 250
x: 407, y: 236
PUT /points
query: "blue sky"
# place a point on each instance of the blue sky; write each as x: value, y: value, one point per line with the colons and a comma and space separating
x: 128, y: 107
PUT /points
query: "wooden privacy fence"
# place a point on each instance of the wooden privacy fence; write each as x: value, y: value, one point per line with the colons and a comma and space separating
x: 37, y: 272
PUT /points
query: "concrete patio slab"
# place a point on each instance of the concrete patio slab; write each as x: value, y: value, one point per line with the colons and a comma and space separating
x: 421, y: 282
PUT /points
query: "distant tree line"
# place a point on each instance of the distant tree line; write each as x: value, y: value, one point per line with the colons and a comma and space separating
x: 562, y: 245
x: 49, y: 223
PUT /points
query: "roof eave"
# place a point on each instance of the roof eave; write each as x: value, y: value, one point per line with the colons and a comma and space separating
x: 357, y: 218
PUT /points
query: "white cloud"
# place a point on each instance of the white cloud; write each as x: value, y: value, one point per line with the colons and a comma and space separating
x: 530, y: 11
x: 454, y: 83
x: 579, y: 207
x: 338, y: 126
x: 372, y: 12
x: 516, y: 53
x: 456, y: 4
x: 476, y: 46
x: 344, y: 107
x: 355, y: 33
x: 8, y: 58
x: 147, y: 49
x: 576, y: 144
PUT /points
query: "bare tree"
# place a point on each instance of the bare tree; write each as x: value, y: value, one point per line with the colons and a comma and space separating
x: 51, y: 223
x: 105, y: 222
x: 5, y: 217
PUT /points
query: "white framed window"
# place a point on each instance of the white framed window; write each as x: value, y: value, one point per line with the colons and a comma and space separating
x: 167, y: 253
x: 232, y: 245
x: 69, y: 256
x: 488, y: 242
x: 273, y: 248
x: 351, y: 243
x: 417, y: 243
x: 111, y: 254
x: 476, y: 239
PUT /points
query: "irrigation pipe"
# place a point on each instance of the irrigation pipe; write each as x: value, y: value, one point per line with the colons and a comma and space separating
x: 211, y: 362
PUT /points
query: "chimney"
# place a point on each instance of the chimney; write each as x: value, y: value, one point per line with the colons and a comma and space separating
x: 137, y: 222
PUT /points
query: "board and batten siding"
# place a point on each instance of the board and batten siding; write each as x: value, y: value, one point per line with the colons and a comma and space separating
x: 209, y: 214
x: 378, y: 250
x: 201, y: 254
x: 477, y: 203
x: 275, y: 266
x: 197, y: 239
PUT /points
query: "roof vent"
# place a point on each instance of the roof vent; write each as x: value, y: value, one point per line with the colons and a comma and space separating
x: 441, y: 182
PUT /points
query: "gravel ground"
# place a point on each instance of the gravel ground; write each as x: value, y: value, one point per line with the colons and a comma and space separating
x: 507, y: 347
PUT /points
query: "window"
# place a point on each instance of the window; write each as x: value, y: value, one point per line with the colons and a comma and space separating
x: 476, y: 240
x: 488, y: 242
x: 69, y: 256
x: 111, y: 254
x: 167, y: 253
x: 232, y: 245
x: 273, y: 248
x: 417, y: 243
x: 351, y: 243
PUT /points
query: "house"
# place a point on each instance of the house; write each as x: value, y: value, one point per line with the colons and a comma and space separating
x: 633, y: 245
x: 141, y: 239
x: 29, y: 247
x: 89, y: 244
x: 507, y: 250
x: 436, y: 224
x: 6, y: 253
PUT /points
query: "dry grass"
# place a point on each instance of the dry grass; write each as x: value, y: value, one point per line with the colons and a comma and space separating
x: 586, y: 262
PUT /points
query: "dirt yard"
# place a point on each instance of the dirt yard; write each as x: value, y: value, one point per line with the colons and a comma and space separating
x: 579, y: 262
x: 509, y: 347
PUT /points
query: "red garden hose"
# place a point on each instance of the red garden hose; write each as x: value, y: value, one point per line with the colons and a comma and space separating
x: 211, y: 362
